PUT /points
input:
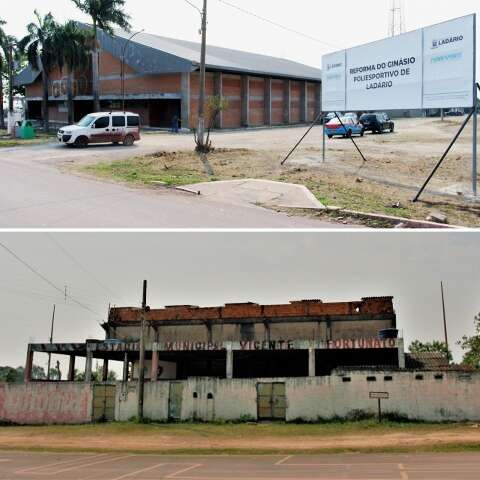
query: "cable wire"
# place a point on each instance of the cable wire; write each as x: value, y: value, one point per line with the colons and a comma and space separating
x: 194, y: 6
x: 278, y: 25
x: 46, y: 280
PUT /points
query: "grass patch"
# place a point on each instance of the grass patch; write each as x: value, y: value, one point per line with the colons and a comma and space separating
x: 7, y: 142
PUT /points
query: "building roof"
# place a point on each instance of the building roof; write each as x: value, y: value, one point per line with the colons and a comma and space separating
x: 426, y: 360
x: 152, y: 54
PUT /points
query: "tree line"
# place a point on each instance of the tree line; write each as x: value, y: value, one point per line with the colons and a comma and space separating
x: 49, y: 45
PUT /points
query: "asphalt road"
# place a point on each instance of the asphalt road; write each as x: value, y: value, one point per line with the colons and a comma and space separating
x: 34, y: 193
x: 25, y: 466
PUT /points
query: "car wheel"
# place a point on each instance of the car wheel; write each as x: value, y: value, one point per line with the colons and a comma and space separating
x: 330, y: 137
x: 362, y: 133
x: 128, y: 141
x: 81, y: 142
x: 392, y: 129
x: 349, y: 133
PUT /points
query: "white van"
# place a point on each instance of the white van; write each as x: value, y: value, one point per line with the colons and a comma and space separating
x: 112, y: 127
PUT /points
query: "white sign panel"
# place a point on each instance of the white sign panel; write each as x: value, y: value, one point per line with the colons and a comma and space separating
x: 386, y: 72
x: 334, y: 81
x: 428, y: 68
x: 449, y: 64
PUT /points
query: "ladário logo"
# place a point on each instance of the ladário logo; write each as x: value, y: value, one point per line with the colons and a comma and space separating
x: 446, y: 41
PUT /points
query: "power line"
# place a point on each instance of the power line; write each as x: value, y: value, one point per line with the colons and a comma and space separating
x: 80, y: 266
x: 194, y: 6
x: 278, y: 25
x: 46, y: 280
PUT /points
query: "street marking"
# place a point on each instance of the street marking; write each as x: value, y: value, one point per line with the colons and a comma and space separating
x: 192, y: 467
x: 403, y: 473
x: 64, y: 462
x: 143, y: 470
x: 281, y: 461
x: 83, y: 465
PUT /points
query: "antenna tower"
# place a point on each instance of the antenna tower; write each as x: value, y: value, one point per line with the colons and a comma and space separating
x: 396, y: 22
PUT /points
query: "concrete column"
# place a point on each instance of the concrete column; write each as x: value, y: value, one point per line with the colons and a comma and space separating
x: 268, y: 102
x: 286, y: 103
x: 318, y: 98
x: 125, y: 367
x: 71, y: 369
x: 311, y: 362
x: 245, y: 101
x: 218, y: 90
x: 88, y: 366
x: 229, y: 362
x: 28, y: 366
x: 185, y: 99
x: 304, y: 103
x: 105, y: 370
x: 401, y: 353
x: 154, y: 371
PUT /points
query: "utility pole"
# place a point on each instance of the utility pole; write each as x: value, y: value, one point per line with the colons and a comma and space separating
x: 141, y: 363
x: 444, y: 318
x: 201, y: 100
x: 10, y: 122
x: 51, y: 341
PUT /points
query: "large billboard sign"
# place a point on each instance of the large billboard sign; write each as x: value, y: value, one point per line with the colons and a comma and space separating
x: 429, y: 68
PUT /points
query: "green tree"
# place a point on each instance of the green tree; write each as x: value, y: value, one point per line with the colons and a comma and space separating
x: 42, y: 53
x: 77, y: 45
x: 471, y: 346
x: 435, y: 346
x: 105, y: 14
x: 96, y: 375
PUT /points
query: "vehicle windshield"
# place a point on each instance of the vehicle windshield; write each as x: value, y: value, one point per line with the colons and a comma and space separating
x: 86, y: 121
x: 369, y: 117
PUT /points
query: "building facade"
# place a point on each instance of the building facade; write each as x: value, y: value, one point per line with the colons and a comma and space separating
x: 161, y: 82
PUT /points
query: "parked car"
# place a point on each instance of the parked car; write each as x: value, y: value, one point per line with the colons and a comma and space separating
x: 454, y: 112
x: 112, y: 127
x: 377, y: 122
x: 330, y: 116
x: 334, y: 128
x: 352, y: 115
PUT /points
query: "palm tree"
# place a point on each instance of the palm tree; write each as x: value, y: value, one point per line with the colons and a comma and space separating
x: 105, y: 14
x: 42, y: 53
x: 3, y: 68
x: 77, y: 44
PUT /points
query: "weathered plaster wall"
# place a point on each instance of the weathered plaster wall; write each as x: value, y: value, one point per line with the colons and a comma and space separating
x: 46, y: 403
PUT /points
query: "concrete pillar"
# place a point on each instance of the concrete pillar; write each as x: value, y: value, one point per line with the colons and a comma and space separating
x: 125, y: 367
x: 268, y: 102
x: 28, y: 366
x: 287, y: 100
x: 311, y: 362
x: 71, y: 369
x: 245, y: 101
x: 229, y: 362
x: 185, y: 99
x: 154, y: 368
x: 401, y: 353
x: 304, y: 103
x: 218, y: 90
x: 105, y: 370
x: 318, y: 98
x: 88, y: 366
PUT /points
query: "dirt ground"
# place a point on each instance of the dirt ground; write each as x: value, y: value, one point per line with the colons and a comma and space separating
x: 251, y: 438
x: 397, y: 164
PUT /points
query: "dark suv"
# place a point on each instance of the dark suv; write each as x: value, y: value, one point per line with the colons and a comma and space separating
x: 377, y: 122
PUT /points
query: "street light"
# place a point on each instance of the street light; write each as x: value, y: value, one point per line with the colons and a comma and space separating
x: 123, y: 66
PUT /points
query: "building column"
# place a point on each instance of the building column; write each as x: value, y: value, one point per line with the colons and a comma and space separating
x: 125, y: 367
x: 105, y: 370
x: 88, y: 366
x: 185, y: 100
x: 28, y: 365
x: 154, y: 367
x: 286, y: 102
x: 268, y: 102
x: 311, y: 362
x: 71, y: 369
x: 229, y: 362
x: 245, y: 101
x: 218, y: 91
x: 401, y: 353
x: 304, y: 103
x: 318, y: 99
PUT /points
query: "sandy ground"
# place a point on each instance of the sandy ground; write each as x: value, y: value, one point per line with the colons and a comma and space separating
x: 168, y: 440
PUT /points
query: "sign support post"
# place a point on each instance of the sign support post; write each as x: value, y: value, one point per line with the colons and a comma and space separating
x: 379, y: 396
x: 475, y: 149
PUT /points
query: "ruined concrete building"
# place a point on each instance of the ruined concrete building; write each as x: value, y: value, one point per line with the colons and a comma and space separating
x: 303, y: 360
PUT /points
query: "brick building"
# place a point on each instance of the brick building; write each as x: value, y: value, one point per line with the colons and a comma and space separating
x: 162, y: 81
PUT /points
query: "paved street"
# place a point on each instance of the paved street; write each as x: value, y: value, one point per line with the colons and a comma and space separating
x: 26, y: 466
x: 35, y: 193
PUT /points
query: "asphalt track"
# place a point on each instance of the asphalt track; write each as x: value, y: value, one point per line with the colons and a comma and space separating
x: 37, y: 466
